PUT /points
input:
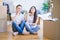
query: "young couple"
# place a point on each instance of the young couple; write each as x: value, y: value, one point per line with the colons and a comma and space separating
x: 29, y: 21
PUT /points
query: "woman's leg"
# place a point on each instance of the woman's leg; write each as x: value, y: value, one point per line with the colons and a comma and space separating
x: 36, y: 28
x: 28, y: 27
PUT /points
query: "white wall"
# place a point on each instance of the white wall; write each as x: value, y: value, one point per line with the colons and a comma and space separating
x: 28, y: 3
x: 25, y: 3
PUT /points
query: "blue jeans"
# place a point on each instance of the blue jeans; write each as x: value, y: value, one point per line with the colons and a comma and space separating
x: 30, y: 29
x: 19, y: 27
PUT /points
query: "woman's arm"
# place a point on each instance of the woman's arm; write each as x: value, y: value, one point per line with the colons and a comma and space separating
x: 37, y: 20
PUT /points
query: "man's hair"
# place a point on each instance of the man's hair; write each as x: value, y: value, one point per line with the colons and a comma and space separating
x: 18, y: 5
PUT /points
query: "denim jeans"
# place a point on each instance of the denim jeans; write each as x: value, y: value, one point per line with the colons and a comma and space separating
x: 30, y: 29
x: 18, y: 28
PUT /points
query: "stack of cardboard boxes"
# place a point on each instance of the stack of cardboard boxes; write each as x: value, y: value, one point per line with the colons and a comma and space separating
x: 3, y: 18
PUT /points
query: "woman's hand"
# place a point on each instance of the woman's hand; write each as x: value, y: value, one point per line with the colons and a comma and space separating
x: 32, y: 24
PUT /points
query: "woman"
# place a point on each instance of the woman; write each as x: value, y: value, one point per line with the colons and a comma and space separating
x: 32, y: 20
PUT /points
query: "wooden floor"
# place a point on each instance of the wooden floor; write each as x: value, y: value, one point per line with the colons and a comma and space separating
x: 8, y: 36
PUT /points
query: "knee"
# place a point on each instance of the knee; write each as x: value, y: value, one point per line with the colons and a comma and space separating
x: 13, y: 23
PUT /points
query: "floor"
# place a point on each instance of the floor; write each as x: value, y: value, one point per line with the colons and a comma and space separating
x: 8, y: 35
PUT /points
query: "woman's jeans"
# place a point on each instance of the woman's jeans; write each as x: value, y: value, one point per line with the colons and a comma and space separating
x: 30, y: 28
x: 18, y: 28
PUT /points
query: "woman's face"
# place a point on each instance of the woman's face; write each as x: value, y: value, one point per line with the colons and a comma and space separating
x: 32, y: 10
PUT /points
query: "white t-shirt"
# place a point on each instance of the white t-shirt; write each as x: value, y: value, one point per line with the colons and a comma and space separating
x: 30, y: 20
x: 18, y: 18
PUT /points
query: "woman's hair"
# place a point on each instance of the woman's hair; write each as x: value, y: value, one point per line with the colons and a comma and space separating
x: 35, y: 14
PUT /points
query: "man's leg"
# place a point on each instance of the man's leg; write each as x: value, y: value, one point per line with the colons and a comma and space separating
x: 13, y: 28
x: 22, y: 27
x: 22, y: 24
x: 17, y: 27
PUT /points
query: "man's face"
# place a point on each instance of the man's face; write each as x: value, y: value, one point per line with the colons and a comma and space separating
x: 19, y: 8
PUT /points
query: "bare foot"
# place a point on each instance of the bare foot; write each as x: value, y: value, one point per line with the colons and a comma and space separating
x: 15, y: 33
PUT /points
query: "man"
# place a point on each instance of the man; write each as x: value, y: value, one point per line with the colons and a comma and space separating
x: 18, y: 21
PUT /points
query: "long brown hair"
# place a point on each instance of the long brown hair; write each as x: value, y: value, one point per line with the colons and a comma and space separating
x: 35, y: 14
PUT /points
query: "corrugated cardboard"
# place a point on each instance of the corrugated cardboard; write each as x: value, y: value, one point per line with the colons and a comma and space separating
x: 3, y: 18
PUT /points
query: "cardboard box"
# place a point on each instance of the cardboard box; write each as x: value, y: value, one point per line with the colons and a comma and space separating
x: 3, y: 18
